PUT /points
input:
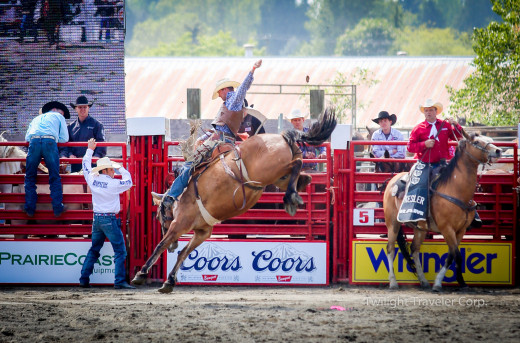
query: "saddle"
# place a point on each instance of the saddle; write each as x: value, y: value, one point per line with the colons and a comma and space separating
x: 399, y: 187
x: 220, y: 148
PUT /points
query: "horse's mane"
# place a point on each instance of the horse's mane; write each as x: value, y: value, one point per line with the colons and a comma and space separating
x: 446, y: 173
x: 319, y: 132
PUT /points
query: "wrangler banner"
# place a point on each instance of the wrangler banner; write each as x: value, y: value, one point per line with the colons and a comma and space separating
x: 483, y: 263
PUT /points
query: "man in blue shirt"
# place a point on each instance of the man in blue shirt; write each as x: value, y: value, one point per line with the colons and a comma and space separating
x: 226, y: 126
x: 81, y: 130
x: 43, y: 134
x: 387, y: 133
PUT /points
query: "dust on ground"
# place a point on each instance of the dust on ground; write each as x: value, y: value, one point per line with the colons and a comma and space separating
x: 258, y: 314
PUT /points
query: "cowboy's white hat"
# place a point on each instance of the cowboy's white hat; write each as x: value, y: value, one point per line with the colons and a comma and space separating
x: 430, y: 103
x: 224, y: 83
x: 104, y: 163
x: 296, y: 113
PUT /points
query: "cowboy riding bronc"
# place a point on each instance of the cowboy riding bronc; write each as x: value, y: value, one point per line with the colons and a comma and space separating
x: 226, y: 124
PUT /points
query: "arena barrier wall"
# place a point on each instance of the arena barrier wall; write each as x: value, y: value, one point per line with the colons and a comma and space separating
x: 48, y: 250
x: 155, y: 163
x: 359, y: 253
x: 349, y: 250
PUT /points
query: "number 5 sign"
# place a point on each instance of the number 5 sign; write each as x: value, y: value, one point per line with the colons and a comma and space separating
x: 363, y: 216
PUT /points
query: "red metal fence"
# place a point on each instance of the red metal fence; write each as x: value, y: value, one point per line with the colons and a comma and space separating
x: 154, y: 166
x: 497, y: 196
x: 325, y: 216
x: 73, y: 222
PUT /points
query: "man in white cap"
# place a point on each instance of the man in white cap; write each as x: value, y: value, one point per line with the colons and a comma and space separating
x: 226, y: 126
x: 429, y: 141
x: 297, y: 119
x: 106, y: 204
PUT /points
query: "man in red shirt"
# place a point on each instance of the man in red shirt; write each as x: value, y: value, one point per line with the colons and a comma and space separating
x: 429, y: 141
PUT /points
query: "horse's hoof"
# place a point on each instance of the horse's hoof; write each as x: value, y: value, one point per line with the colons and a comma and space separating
x: 138, y: 279
x: 290, y: 209
x: 173, y: 246
x: 166, y: 288
x: 296, y: 199
x: 393, y: 287
x: 425, y: 285
x: 437, y: 288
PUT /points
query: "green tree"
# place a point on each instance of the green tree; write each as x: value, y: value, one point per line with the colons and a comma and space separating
x: 164, y: 21
x: 328, y: 19
x: 282, y: 25
x: 425, y: 41
x: 220, y: 44
x: 370, y: 37
x: 491, y: 94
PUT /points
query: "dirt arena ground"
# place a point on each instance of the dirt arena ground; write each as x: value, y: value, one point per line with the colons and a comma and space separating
x: 258, y: 314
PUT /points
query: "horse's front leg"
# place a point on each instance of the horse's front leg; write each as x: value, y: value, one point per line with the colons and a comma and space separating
x: 170, y: 237
x: 418, y: 239
x: 199, y: 236
x: 453, y: 254
x: 390, y: 255
x: 292, y: 199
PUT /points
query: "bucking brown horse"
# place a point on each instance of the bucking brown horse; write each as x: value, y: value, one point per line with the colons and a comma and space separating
x: 229, y: 188
x: 452, y: 209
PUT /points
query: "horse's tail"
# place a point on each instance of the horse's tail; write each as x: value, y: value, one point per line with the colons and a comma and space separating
x: 319, y: 132
x: 401, y: 242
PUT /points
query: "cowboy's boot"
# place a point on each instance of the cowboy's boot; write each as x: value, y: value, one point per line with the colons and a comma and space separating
x: 477, y: 222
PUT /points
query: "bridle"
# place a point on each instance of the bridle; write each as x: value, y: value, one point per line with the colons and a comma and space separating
x: 483, y: 149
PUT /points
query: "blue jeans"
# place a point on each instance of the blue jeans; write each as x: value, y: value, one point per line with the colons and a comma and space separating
x: 48, y: 149
x: 181, y: 181
x: 106, y: 226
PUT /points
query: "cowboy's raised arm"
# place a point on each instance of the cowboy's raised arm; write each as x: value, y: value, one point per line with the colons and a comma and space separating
x: 257, y: 65
x: 236, y: 100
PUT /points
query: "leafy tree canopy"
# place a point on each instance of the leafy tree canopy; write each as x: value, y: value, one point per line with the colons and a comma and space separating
x: 491, y: 95
x: 425, y: 41
x: 370, y: 37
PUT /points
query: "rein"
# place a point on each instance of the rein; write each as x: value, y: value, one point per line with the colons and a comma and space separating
x: 472, y: 205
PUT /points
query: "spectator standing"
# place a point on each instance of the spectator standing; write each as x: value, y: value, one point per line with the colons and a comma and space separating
x: 81, y: 130
x: 43, y: 134
x: 28, y: 23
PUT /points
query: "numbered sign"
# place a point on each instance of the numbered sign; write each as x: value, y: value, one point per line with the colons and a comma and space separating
x: 363, y: 216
